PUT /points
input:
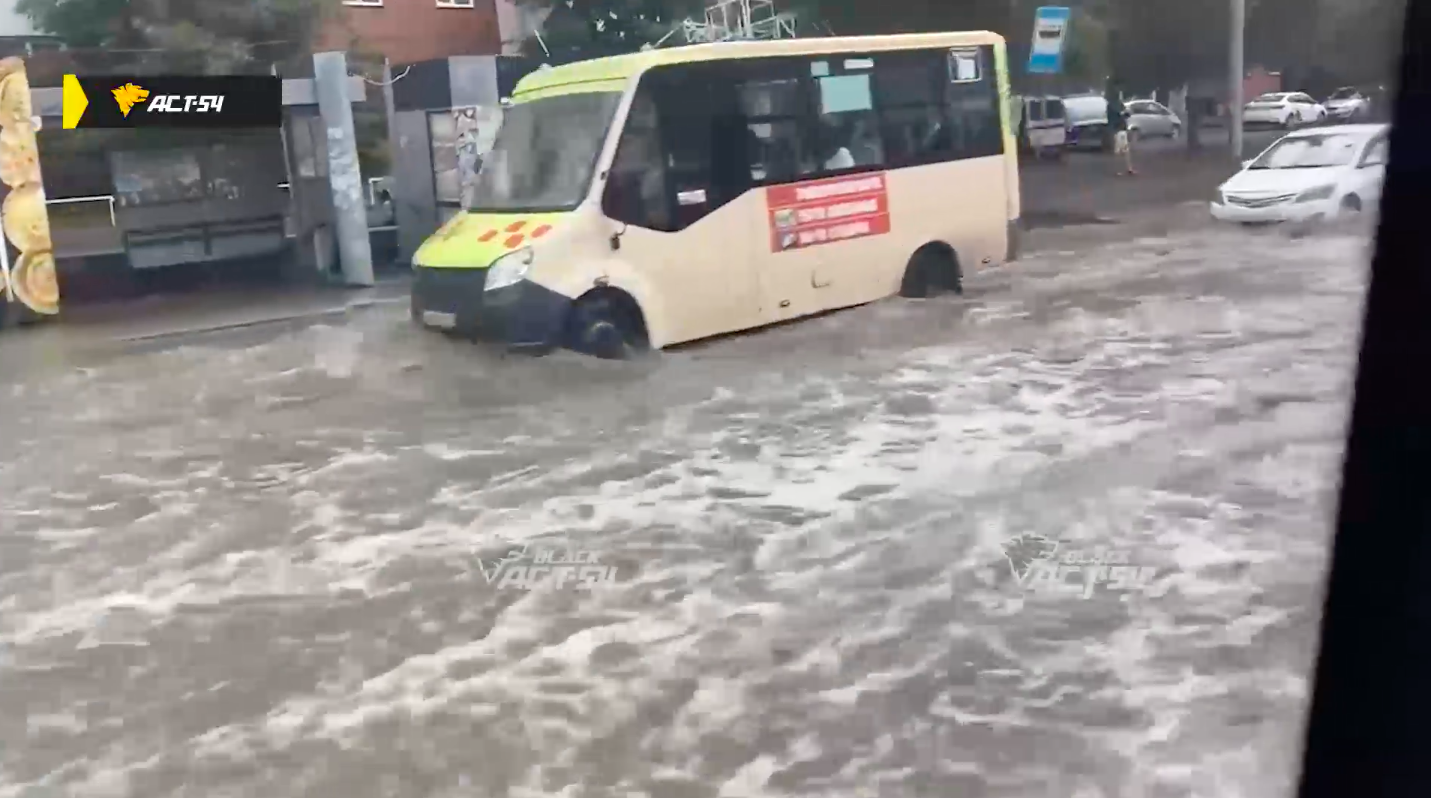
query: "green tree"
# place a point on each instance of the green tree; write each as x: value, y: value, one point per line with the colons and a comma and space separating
x: 579, y: 29
x: 209, y: 35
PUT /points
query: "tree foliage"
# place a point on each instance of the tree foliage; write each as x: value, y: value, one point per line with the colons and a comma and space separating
x: 1146, y: 44
x: 577, y: 29
x: 208, y: 35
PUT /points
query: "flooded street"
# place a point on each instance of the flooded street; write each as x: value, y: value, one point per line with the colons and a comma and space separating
x: 253, y: 564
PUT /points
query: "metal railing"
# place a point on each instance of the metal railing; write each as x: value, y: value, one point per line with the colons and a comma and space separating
x: 72, y: 200
x: 113, y: 222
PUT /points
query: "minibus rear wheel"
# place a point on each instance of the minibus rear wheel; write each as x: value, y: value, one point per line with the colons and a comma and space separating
x: 607, y: 323
x: 932, y: 269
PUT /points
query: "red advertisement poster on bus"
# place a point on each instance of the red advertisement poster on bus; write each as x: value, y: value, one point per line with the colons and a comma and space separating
x: 826, y: 211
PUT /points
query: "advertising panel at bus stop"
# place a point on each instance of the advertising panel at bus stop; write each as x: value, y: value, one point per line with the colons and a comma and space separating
x: 29, y: 288
x: 1050, y: 32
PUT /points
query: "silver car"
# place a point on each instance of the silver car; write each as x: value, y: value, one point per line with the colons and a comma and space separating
x: 1348, y: 105
x: 1152, y: 119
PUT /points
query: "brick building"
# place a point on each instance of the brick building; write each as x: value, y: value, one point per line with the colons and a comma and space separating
x: 415, y: 30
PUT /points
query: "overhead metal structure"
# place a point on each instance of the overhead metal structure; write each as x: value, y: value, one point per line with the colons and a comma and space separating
x: 737, y: 20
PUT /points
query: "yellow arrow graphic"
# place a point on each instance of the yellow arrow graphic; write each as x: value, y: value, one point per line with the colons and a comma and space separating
x: 74, y: 102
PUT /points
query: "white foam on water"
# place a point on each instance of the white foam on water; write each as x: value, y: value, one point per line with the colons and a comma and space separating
x: 804, y: 553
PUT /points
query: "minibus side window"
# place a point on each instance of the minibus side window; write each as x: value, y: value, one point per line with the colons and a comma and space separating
x: 636, y: 185
x: 774, y: 109
x: 686, y: 103
x: 683, y: 153
x: 975, y: 127
x: 847, y: 135
x: 915, y: 123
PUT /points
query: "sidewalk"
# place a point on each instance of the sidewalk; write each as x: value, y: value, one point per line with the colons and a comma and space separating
x: 93, y: 329
x: 1082, y: 189
x: 1085, y: 188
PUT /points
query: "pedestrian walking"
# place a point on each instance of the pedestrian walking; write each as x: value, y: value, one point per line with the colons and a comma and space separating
x: 1123, y: 143
x: 1118, y: 124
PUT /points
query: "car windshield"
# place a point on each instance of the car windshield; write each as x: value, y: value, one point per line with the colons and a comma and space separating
x: 544, y: 153
x: 1344, y: 94
x: 1271, y: 98
x: 1309, y: 152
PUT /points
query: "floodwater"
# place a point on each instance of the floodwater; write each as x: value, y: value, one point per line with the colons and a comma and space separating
x: 253, y: 564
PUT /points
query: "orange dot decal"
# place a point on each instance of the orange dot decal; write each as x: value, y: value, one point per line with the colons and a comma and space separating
x: 541, y: 231
x: 515, y: 226
x: 512, y: 241
x: 487, y: 236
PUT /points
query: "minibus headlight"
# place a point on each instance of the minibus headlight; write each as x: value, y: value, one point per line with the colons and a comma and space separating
x: 509, y: 269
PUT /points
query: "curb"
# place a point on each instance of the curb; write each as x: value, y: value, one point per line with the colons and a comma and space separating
x: 362, y: 304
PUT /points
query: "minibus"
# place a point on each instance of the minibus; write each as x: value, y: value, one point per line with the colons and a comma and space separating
x: 639, y: 201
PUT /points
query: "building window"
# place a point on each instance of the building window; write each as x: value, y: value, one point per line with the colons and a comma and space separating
x: 456, y: 3
x: 377, y: 3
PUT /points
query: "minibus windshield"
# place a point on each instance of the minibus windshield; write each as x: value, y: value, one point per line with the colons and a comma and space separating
x: 544, y: 154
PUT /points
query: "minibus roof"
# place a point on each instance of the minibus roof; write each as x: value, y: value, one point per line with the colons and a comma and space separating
x: 611, y: 73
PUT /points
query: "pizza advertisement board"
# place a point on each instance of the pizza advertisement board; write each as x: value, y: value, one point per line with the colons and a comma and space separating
x: 827, y: 211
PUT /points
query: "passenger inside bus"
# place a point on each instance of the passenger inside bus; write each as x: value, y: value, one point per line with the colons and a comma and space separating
x: 774, y: 156
x: 865, y: 144
x: 831, y: 150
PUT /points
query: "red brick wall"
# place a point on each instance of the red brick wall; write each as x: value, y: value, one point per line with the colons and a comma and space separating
x: 1259, y: 81
x: 415, y: 30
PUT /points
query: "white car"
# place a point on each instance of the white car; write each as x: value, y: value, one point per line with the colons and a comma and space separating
x: 1348, y: 105
x: 1151, y: 119
x: 1287, y: 109
x: 1308, y: 175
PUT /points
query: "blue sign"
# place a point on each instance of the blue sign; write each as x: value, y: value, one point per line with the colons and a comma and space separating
x: 1050, y: 31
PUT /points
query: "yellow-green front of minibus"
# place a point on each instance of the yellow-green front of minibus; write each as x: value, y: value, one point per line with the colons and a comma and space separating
x: 470, y: 275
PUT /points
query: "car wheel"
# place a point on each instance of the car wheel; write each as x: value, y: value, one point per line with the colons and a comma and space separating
x: 1177, y: 132
x: 1287, y: 121
x: 607, y: 324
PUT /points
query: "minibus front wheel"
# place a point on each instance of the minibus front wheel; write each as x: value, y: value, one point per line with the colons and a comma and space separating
x: 607, y: 323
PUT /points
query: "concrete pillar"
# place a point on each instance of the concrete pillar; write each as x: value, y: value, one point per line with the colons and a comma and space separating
x: 355, y: 252
x: 390, y: 111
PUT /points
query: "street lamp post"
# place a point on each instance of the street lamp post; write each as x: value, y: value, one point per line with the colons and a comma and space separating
x: 1237, y: 72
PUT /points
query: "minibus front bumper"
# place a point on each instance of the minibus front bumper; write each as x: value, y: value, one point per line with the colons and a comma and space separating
x: 523, y: 316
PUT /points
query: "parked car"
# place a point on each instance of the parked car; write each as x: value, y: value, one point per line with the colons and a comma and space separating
x: 1348, y: 105
x: 1309, y: 174
x: 1286, y: 109
x: 1043, y: 126
x: 1149, y: 118
x: 1087, y: 117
